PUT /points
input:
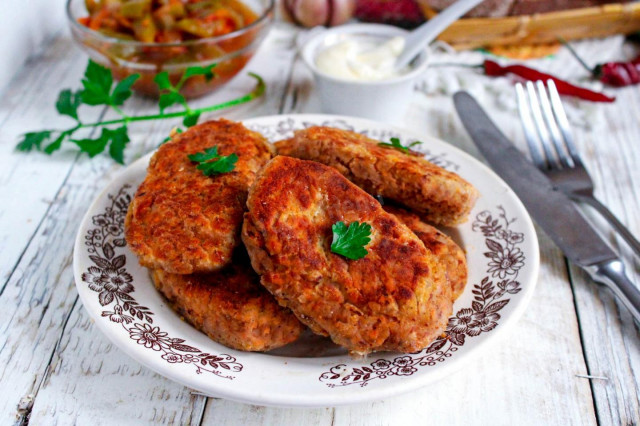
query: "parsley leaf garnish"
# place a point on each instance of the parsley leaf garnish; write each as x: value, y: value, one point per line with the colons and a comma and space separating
x: 191, y: 119
x: 170, y: 94
x: 205, y: 71
x: 117, y: 140
x: 33, y: 140
x: 170, y: 98
x: 97, y: 84
x: 99, y: 88
x: 56, y: 144
x: 93, y: 147
x: 395, y: 144
x: 122, y: 91
x: 350, y: 241
x: 68, y: 103
x: 213, y: 164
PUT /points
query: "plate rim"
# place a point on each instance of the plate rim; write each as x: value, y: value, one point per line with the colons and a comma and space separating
x: 339, y: 398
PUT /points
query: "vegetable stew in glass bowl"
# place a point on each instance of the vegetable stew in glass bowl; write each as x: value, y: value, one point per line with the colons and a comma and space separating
x: 151, y: 36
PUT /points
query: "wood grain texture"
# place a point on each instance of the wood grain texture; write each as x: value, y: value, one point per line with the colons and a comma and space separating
x: 541, y: 354
x: 24, y: 33
x: 57, y: 366
x: 35, y: 296
x: 26, y: 180
x: 90, y: 381
x: 611, y: 338
x: 82, y: 364
x: 522, y: 365
x: 221, y: 412
x: 536, y: 361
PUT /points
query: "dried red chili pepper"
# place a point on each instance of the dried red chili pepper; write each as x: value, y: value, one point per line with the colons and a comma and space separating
x: 617, y: 74
x: 494, y: 69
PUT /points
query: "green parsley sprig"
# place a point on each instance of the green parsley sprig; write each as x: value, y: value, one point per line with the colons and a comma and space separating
x: 350, y: 241
x: 170, y: 94
x: 211, y: 163
x: 395, y: 144
x: 98, y: 90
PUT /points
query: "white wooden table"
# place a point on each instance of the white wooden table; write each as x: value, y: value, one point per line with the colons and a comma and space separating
x: 56, y: 367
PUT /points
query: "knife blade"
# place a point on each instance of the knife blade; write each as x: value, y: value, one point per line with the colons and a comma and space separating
x: 552, y: 210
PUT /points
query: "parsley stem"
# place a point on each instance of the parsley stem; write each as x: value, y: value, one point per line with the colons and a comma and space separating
x: 255, y: 93
x: 97, y: 90
x: 183, y: 79
x: 119, y: 111
x: 125, y: 117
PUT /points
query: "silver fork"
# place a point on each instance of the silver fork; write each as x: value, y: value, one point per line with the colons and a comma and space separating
x: 545, y: 124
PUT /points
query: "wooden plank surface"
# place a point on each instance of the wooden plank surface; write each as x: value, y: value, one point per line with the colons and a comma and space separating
x: 611, y: 339
x: 58, y: 368
x: 83, y: 363
x: 27, y: 105
x: 31, y: 191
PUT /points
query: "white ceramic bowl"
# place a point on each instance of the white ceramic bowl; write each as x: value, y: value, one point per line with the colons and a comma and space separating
x: 383, y: 100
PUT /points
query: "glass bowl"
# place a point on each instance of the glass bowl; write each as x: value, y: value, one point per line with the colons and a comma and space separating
x: 230, y: 52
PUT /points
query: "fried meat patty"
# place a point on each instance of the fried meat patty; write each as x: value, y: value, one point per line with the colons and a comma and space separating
x: 448, y: 253
x: 184, y: 222
x: 439, y: 196
x: 231, y: 307
x: 395, y: 298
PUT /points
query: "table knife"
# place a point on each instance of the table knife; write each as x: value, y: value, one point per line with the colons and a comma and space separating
x: 552, y: 210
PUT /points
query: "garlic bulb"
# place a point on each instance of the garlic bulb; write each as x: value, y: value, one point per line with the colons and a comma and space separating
x: 309, y: 13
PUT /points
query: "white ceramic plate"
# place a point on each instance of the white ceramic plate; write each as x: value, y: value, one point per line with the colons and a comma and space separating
x: 503, y: 258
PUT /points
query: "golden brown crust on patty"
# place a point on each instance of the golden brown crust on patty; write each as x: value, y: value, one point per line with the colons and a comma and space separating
x: 395, y: 298
x: 184, y: 222
x: 231, y: 307
x: 448, y: 253
x: 439, y: 196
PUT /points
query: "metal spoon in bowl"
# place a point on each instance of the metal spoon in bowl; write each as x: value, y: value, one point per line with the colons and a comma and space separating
x: 427, y: 32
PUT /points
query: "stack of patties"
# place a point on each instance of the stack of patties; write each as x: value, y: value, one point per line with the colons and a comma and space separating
x: 399, y: 293
x: 431, y: 193
x: 184, y: 224
x: 394, y: 290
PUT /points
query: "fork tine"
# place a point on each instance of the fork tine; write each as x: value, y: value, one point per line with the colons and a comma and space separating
x: 554, y: 132
x: 563, y: 122
x: 541, y: 128
x: 529, y: 128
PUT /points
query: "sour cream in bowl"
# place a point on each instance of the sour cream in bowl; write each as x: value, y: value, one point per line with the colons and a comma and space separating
x: 355, y: 74
x: 360, y: 59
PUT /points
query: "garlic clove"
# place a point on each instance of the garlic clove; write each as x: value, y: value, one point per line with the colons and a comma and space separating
x: 342, y: 11
x: 311, y: 13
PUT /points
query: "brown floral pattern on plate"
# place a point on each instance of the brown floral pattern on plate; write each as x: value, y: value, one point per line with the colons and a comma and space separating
x: 490, y: 296
x: 114, y: 285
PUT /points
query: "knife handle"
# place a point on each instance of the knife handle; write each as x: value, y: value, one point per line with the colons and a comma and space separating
x: 612, y: 274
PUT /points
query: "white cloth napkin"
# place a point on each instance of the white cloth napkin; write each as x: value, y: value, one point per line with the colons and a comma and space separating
x: 500, y: 91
